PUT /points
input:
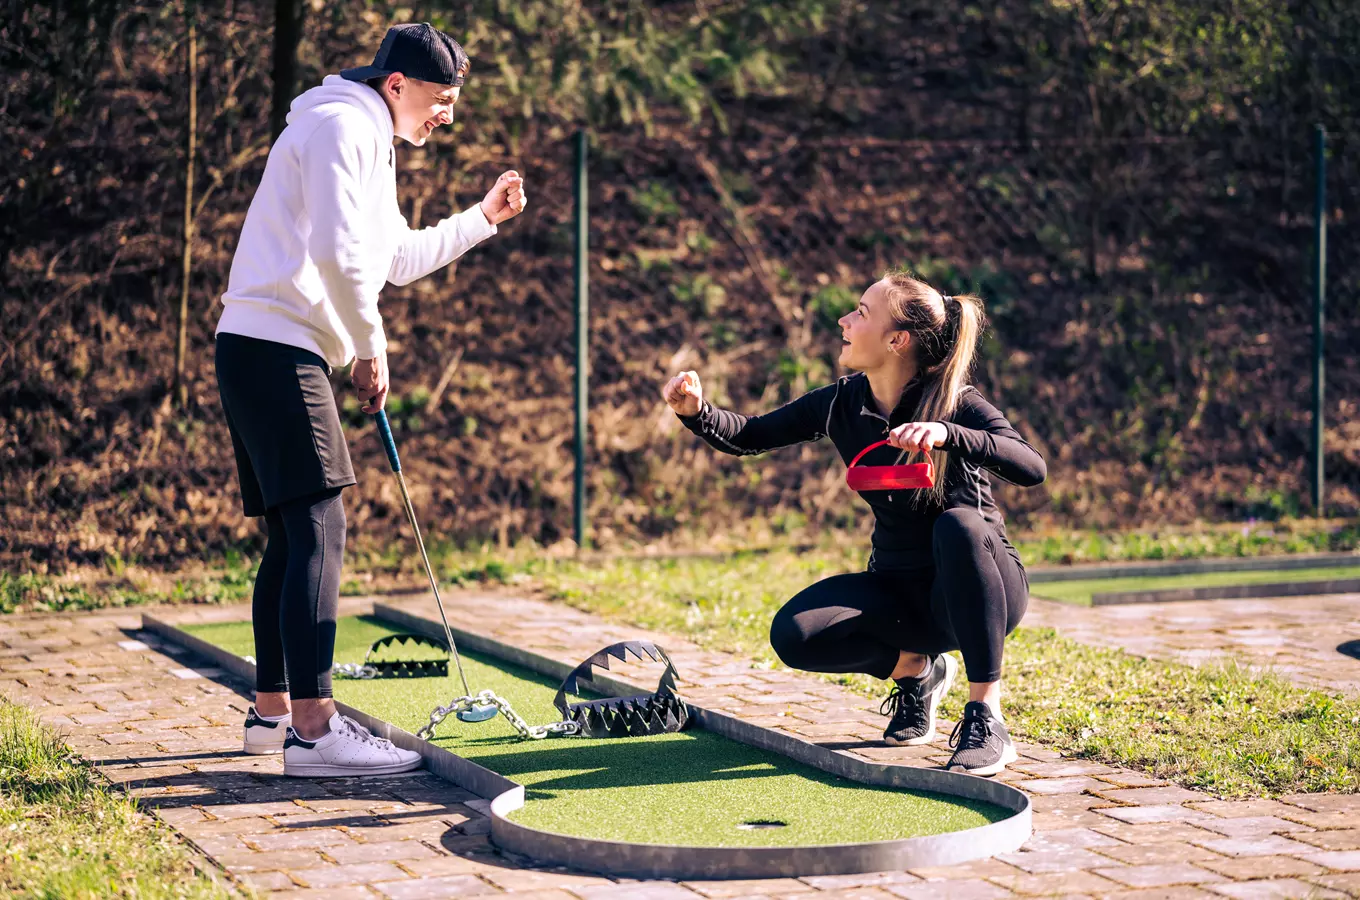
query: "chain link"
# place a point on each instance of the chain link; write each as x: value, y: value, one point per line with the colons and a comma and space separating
x: 487, y: 698
x: 354, y: 670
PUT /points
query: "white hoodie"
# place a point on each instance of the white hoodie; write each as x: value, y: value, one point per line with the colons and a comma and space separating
x: 324, y: 232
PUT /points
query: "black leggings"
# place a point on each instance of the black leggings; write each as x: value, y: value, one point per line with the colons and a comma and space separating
x: 975, y: 596
x: 297, y: 593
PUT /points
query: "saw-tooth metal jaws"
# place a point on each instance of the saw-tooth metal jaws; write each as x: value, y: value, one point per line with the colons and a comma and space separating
x: 408, y: 668
x: 661, y: 712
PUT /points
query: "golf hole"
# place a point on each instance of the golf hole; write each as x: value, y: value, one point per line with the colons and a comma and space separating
x: 761, y: 824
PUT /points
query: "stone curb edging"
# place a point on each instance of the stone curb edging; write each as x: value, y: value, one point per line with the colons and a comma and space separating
x: 677, y: 862
x: 1092, y: 571
x: 1230, y: 592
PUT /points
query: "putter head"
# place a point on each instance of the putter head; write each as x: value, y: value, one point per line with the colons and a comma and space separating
x: 478, y: 714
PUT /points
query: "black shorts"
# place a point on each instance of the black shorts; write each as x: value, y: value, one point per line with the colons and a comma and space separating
x: 285, y: 428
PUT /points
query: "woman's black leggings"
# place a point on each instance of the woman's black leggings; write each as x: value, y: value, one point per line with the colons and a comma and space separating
x: 975, y: 596
x: 297, y: 593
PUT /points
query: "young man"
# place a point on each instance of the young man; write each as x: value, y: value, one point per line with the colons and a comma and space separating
x: 321, y: 237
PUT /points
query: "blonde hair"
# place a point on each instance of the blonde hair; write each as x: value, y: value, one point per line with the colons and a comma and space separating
x: 945, y: 331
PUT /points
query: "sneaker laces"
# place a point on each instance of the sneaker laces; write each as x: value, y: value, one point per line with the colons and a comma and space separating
x: 899, y: 701
x: 361, y: 733
x: 972, y: 731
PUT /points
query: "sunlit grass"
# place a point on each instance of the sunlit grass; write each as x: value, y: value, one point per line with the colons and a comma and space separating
x: 1222, y: 728
x: 65, y: 834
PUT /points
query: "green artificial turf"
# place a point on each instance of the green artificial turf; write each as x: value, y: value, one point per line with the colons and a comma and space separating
x: 1079, y: 592
x: 692, y: 788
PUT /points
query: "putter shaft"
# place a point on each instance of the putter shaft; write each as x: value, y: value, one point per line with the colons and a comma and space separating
x: 429, y: 572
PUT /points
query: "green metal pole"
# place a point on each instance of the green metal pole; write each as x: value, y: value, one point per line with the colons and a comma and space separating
x: 582, y: 336
x: 1319, y: 309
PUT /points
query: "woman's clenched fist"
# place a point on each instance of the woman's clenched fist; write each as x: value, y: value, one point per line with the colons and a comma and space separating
x: 684, y: 394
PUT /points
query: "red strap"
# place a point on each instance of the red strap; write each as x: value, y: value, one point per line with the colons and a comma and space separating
x: 858, y: 456
x: 864, y: 451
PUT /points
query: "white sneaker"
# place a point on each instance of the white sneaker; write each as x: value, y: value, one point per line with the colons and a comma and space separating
x: 263, y: 735
x: 348, y: 749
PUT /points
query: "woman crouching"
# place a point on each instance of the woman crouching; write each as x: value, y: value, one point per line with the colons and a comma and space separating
x: 941, y: 575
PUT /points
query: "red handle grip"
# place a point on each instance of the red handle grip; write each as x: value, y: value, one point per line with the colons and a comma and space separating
x: 874, y: 446
x: 860, y: 454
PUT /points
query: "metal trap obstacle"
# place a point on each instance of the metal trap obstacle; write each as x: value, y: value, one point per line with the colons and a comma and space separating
x: 660, y: 712
x: 373, y: 667
x: 375, y: 660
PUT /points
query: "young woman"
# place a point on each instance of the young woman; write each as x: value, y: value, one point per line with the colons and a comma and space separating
x: 942, y: 575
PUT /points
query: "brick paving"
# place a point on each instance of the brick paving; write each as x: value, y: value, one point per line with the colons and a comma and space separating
x: 167, y: 728
x: 1296, y: 637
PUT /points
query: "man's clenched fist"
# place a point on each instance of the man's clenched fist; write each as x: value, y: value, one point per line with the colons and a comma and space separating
x: 506, y: 200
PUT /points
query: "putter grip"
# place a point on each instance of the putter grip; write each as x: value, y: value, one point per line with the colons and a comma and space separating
x: 385, y: 432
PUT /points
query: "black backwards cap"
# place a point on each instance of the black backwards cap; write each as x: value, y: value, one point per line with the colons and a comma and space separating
x: 422, y: 52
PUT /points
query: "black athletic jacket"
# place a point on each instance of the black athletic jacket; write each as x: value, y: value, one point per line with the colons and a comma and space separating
x: 981, y: 444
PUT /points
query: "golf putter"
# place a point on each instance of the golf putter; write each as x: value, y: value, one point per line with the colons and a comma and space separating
x: 476, y: 713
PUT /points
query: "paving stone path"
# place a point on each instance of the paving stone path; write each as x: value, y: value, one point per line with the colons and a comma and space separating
x: 1294, y: 636
x: 169, y: 732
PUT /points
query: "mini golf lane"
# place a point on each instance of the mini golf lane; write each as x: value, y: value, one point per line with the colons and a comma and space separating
x: 677, y: 805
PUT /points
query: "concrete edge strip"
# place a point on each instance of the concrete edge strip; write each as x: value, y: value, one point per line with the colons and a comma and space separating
x: 679, y: 862
x: 1097, y: 571
x: 1230, y: 592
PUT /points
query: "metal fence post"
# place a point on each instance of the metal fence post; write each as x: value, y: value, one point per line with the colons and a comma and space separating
x: 582, y: 337
x: 1319, y: 306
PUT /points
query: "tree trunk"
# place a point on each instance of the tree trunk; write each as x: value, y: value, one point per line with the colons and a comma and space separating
x: 287, y: 36
x: 181, y: 390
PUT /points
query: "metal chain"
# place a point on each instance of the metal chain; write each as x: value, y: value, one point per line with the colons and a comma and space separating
x: 353, y: 670
x: 460, y: 704
x: 487, y: 698
x: 341, y: 670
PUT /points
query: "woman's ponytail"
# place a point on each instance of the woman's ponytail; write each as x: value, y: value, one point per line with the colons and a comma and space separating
x: 963, y: 315
x: 946, y: 332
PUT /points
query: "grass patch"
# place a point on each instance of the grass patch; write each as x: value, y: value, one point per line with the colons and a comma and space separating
x: 1079, y: 592
x: 65, y: 833
x: 1222, y: 728
x: 691, y: 788
x: 1219, y: 728
x: 372, y: 566
x: 120, y: 585
x: 1200, y: 541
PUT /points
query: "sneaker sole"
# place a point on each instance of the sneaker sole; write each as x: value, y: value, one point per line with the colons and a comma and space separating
x: 325, y: 770
x: 951, y: 668
x: 262, y: 749
x: 1008, y: 755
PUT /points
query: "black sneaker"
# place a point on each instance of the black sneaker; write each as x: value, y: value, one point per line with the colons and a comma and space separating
x: 982, y: 743
x: 913, y: 702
